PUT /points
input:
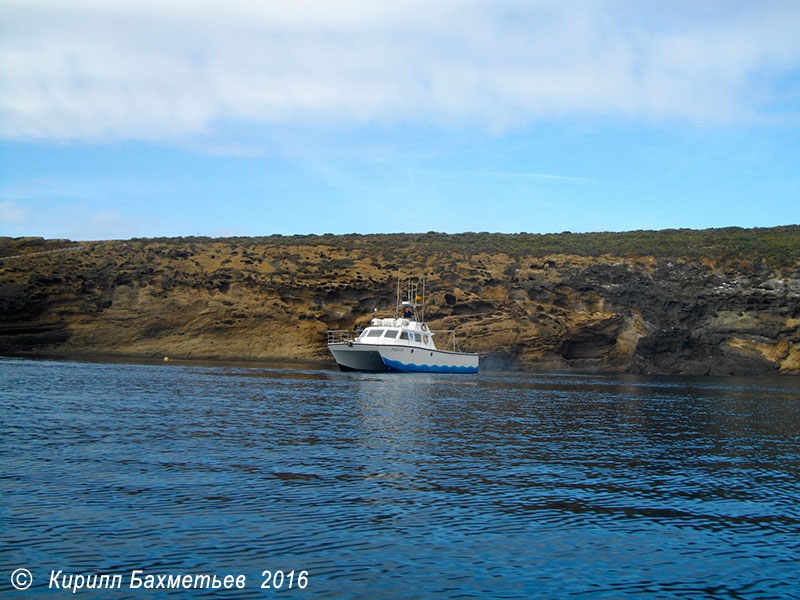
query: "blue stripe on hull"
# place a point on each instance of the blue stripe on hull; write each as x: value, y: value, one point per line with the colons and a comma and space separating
x: 396, y: 365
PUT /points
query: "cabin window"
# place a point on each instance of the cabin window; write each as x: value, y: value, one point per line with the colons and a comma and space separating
x: 374, y: 332
x: 390, y: 333
x: 403, y: 335
x: 411, y: 336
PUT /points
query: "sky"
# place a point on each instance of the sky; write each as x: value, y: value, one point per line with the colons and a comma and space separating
x: 150, y: 118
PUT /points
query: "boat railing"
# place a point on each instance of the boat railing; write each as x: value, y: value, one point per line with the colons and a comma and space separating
x: 451, y: 342
x: 337, y: 336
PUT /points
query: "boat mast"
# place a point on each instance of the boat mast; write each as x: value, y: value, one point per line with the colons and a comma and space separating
x: 413, y: 299
x: 423, y: 299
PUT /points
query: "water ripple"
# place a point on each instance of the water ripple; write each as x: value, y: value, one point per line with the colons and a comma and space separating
x: 500, y: 485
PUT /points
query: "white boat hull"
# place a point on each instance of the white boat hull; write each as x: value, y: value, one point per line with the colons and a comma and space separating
x: 375, y: 357
x: 357, y: 357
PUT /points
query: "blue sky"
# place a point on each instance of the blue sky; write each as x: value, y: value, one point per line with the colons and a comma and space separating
x: 171, y: 118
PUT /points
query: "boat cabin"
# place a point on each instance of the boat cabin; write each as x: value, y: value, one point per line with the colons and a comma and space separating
x: 397, y: 332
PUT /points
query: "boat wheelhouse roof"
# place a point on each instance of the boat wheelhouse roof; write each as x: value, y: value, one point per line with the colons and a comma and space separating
x: 400, y: 323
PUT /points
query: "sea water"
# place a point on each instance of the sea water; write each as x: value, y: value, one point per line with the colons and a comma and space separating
x: 337, y: 485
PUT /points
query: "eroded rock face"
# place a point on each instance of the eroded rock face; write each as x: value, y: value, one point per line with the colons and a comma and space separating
x: 248, y: 299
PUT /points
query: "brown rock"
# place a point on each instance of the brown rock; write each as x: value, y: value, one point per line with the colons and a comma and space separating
x: 274, y: 298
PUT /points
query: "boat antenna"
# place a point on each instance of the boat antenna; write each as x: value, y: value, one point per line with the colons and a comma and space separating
x: 423, y: 298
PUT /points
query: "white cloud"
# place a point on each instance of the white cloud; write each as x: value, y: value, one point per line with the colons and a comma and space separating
x: 90, y: 69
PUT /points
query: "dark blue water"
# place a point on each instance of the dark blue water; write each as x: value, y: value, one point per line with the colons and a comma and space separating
x: 400, y: 486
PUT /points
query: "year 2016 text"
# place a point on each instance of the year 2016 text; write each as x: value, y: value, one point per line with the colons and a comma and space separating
x: 279, y: 580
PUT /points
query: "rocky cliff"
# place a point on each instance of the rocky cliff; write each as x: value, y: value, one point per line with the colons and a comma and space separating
x: 713, y: 302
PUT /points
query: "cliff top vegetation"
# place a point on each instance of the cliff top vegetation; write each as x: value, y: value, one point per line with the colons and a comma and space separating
x: 777, y: 246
